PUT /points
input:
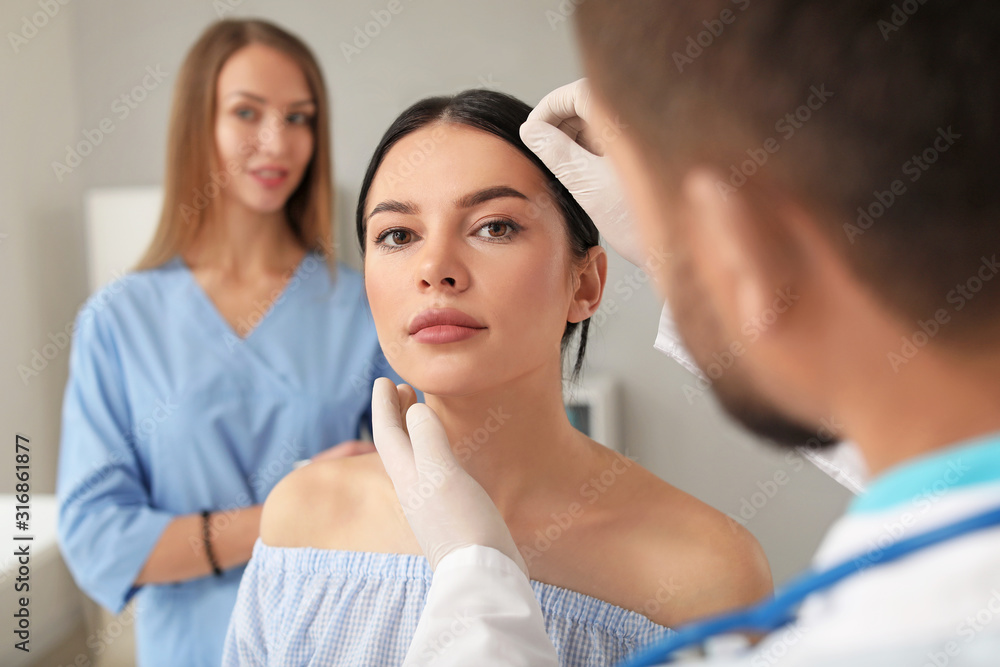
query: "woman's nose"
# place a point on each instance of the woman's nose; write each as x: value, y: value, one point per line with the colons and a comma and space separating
x: 271, y: 137
x: 441, y: 265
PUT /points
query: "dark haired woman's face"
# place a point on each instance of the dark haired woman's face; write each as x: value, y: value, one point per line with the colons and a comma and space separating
x: 263, y: 131
x: 458, y: 219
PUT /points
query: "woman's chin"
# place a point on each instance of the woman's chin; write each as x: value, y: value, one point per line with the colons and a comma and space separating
x: 452, y: 382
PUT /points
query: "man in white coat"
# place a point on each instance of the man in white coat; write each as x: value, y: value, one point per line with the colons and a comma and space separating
x: 846, y: 153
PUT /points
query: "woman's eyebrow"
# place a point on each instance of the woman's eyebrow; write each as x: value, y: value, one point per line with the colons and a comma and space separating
x: 467, y: 201
x: 393, y: 206
x: 486, y: 194
x: 262, y: 100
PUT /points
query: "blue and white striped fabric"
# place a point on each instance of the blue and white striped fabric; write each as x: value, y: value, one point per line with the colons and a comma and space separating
x: 305, y: 606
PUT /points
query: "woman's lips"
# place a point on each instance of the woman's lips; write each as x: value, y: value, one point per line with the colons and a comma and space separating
x: 444, y: 333
x: 269, y: 178
x: 443, y: 325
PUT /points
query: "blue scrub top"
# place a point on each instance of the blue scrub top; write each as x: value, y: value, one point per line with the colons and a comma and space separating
x: 168, y: 411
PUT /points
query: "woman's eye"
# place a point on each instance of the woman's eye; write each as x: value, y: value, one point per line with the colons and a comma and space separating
x: 299, y: 119
x: 245, y: 114
x: 497, y: 229
x: 394, y: 237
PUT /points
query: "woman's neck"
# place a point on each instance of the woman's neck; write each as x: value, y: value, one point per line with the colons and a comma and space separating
x: 242, y: 244
x: 516, y: 439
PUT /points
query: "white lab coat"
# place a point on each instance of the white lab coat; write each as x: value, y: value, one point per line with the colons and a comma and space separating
x: 934, y: 608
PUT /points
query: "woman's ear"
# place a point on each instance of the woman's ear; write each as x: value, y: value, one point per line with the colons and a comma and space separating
x: 589, y: 280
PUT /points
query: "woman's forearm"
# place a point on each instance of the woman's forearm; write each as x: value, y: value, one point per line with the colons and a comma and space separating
x: 180, y: 553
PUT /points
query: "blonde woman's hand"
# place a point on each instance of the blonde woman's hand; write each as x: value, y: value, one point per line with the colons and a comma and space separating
x: 446, y: 508
x: 344, y: 449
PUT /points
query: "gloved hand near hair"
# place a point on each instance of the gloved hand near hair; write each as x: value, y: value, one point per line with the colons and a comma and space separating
x: 560, y: 131
x: 446, y: 508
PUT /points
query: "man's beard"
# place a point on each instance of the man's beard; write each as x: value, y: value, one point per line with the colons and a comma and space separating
x: 702, y: 334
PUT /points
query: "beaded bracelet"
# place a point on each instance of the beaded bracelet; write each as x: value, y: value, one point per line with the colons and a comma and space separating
x: 208, y: 544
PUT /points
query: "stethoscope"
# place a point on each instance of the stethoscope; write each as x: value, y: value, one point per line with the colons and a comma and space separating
x: 768, y: 616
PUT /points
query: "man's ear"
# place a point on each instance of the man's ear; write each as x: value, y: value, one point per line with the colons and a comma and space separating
x: 746, y: 252
x: 590, y: 278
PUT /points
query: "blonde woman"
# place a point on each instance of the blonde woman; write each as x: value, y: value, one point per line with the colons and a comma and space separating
x: 236, y: 347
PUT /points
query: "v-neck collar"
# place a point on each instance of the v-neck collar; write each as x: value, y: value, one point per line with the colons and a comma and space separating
x: 207, y: 304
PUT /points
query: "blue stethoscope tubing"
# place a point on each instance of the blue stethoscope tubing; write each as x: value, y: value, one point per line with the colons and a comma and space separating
x: 772, y: 614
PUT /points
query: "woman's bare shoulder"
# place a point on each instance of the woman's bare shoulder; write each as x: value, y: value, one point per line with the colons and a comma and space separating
x: 690, y: 559
x: 330, y: 504
x: 630, y: 538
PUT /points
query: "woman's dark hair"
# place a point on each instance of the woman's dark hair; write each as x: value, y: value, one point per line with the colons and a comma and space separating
x: 501, y: 115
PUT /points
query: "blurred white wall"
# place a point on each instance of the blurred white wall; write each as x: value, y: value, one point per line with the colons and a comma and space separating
x: 66, y: 81
x: 41, y: 262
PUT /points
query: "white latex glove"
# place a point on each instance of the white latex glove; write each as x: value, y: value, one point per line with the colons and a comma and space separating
x: 560, y: 132
x: 446, y: 508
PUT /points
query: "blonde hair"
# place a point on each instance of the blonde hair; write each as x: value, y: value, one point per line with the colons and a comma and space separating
x: 193, y: 174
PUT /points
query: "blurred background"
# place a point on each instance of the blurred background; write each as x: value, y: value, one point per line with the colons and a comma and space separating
x: 70, y: 69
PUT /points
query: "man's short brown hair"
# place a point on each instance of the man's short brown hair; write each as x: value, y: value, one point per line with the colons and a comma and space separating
x: 879, y: 116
